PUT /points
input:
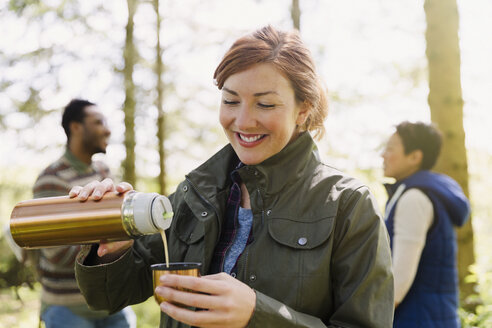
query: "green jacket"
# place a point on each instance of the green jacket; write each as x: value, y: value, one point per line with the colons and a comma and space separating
x: 320, y: 255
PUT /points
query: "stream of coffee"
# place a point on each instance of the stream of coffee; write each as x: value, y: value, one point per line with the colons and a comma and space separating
x: 166, y: 252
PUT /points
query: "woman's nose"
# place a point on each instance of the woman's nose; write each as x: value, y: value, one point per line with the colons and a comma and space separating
x: 245, y: 117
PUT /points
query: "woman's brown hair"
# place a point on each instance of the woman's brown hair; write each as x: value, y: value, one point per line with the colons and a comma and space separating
x: 291, y: 57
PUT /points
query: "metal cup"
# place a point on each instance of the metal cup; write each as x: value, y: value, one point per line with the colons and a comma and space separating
x: 181, y: 268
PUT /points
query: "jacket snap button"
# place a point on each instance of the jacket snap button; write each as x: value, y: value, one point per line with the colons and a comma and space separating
x: 269, y: 212
x: 233, y: 274
x: 302, y: 241
x: 185, y: 188
x: 252, y: 277
x: 204, y: 213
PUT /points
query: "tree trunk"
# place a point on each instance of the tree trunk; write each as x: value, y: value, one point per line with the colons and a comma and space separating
x: 129, y: 55
x: 295, y: 14
x: 160, y: 98
x: 446, y: 105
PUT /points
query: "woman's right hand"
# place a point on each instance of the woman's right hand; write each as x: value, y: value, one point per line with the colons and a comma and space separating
x: 97, y: 189
x: 112, y: 250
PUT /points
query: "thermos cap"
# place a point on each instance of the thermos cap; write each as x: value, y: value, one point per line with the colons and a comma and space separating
x: 151, y: 212
x: 162, y: 212
x: 146, y: 213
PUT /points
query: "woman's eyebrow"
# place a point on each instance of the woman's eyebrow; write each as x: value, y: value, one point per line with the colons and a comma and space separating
x: 229, y: 91
x: 258, y: 94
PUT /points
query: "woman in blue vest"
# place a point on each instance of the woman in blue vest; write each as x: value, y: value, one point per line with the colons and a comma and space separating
x: 422, y: 209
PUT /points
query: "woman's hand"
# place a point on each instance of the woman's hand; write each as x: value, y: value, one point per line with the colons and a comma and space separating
x: 226, y: 301
x: 97, y: 189
x: 107, y: 252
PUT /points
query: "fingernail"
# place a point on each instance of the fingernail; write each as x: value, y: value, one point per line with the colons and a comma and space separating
x: 97, y: 194
x: 83, y: 195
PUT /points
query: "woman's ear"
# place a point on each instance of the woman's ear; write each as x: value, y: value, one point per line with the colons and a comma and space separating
x: 304, y: 110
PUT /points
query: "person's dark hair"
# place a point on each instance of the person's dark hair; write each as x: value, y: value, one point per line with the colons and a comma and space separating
x: 424, y: 137
x: 74, y: 112
x: 287, y: 52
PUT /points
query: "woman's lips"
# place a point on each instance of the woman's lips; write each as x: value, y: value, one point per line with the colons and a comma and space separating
x: 249, y: 140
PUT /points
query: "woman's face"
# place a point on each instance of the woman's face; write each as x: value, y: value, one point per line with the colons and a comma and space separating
x: 259, y: 113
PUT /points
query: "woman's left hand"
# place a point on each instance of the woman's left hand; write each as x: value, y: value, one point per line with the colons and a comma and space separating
x: 225, y: 301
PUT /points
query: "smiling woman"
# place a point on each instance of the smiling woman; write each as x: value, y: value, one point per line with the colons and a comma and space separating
x: 286, y: 53
x: 259, y: 113
x: 270, y: 93
x: 284, y: 240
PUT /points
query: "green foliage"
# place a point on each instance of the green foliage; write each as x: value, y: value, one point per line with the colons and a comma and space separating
x: 15, y: 185
x: 31, y: 106
x: 14, y: 274
x: 148, y: 314
x: 19, y: 6
x: 483, y: 317
x: 483, y: 314
x: 20, y: 308
x: 481, y: 273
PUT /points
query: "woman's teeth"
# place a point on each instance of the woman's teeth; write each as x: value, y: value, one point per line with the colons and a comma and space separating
x: 250, y: 139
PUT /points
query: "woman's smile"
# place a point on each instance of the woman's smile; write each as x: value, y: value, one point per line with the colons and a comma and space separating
x: 250, y: 140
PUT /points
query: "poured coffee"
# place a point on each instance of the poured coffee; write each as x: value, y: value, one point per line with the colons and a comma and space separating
x: 166, y: 252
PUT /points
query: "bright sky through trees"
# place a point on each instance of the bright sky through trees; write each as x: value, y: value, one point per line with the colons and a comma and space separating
x: 371, y: 56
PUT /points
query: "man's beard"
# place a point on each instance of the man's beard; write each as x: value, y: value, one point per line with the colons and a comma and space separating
x: 99, y: 150
x: 92, y: 147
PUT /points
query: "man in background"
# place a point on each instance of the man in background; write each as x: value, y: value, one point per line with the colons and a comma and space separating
x: 62, y: 304
x: 421, y: 213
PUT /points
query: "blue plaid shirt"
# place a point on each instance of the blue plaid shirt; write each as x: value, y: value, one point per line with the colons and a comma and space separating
x: 230, y: 229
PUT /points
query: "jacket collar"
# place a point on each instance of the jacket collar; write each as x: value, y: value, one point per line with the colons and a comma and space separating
x: 213, y: 176
x: 282, y: 168
x: 272, y: 174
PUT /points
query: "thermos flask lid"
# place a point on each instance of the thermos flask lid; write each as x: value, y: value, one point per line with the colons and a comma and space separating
x: 151, y: 212
x: 162, y: 212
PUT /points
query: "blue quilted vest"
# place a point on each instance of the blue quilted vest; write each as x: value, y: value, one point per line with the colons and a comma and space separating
x: 432, y: 300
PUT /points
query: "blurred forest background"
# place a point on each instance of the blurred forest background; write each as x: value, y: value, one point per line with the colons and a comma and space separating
x: 148, y: 64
